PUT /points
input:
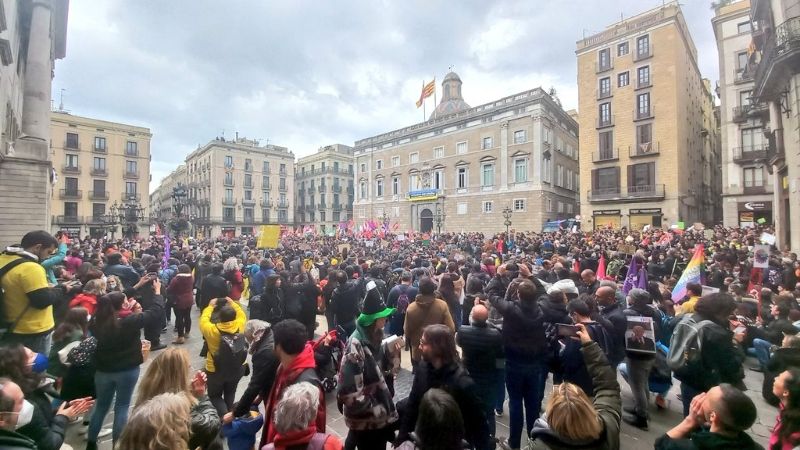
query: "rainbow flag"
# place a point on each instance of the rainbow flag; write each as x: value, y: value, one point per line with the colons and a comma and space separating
x: 692, y: 274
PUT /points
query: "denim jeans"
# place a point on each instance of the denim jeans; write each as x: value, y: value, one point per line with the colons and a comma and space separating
x: 638, y: 371
x: 687, y: 394
x: 39, y: 343
x: 110, y: 385
x: 761, y: 351
x: 525, y: 383
x: 500, y: 395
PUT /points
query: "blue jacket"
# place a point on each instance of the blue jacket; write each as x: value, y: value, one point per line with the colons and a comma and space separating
x: 241, y: 433
x: 53, y: 261
x: 259, y: 280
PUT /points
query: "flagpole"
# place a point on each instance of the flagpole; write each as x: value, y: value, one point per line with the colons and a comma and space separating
x: 424, y: 115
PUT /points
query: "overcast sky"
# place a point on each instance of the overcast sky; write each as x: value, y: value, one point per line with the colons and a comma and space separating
x: 305, y: 73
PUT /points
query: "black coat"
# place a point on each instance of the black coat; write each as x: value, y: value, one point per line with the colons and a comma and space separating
x: 213, y: 286
x: 265, y: 366
x: 45, y: 428
x: 121, y: 349
x: 481, y: 347
x: 12, y: 440
x: 613, y: 313
x: 456, y: 382
x: 721, y: 359
x: 523, y: 329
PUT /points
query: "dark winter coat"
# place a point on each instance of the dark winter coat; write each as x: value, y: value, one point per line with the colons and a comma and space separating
x: 265, y: 364
x: 180, y: 291
x: 455, y: 381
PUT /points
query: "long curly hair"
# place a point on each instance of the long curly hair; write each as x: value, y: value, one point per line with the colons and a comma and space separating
x: 14, y: 366
x: 76, y: 319
x: 161, y: 423
x: 790, y: 414
x: 169, y: 372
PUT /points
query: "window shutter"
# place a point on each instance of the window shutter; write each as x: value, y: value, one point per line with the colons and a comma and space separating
x: 595, y: 181
x: 651, y: 173
x: 630, y: 176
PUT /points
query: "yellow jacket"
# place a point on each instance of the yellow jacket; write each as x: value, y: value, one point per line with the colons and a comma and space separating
x: 211, y: 331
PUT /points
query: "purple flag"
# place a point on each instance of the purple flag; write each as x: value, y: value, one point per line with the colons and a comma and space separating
x: 631, y: 279
x: 164, y: 264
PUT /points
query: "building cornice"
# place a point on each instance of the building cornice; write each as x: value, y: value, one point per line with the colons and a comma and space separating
x: 462, y: 119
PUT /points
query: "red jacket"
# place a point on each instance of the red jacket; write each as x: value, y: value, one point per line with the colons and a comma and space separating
x: 180, y: 290
x: 237, y: 284
x: 284, y: 378
x: 85, y: 300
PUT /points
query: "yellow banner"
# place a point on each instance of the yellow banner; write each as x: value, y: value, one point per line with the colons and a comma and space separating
x: 268, y: 236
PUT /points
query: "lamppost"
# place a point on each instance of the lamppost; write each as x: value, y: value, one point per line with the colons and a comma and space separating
x: 439, y: 217
x: 179, y: 223
x: 385, y: 217
x: 507, y: 215
x: 128, y: 214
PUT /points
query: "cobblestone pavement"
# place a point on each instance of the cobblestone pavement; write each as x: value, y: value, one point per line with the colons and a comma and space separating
x: 631, y: 438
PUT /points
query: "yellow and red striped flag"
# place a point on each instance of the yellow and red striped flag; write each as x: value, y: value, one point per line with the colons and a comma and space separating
x: 427, y: 91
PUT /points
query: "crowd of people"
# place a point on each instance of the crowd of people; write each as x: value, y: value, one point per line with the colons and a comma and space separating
x: 486, y: 321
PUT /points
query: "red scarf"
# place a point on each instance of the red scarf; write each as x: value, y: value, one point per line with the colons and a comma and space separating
x: 298, y: 437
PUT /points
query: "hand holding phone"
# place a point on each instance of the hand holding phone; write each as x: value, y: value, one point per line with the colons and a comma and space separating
x: 567, y: 330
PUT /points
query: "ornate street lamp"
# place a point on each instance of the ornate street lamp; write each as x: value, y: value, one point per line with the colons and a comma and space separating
x: 127, y: 214
x: 507, y: 215
x: 439, y: 218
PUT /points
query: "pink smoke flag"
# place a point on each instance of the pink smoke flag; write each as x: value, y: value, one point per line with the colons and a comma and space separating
x: 601, y: 268
x: 576, y: 265
x: 691, y: 274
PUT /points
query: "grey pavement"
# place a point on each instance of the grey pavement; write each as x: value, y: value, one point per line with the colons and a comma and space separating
x: 631, y: 438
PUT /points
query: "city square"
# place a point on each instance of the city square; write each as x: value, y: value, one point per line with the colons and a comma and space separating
x: 251, y: 226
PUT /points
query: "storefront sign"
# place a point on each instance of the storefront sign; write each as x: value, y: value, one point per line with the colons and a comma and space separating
x: 754, y: 206
x: 647, y: 211
x: 606, y: 212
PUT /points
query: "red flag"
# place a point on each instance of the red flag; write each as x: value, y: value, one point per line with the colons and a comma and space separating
x: 601, y: 268
x: 576, y: 265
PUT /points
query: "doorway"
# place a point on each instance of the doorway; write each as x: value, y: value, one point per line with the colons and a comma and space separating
x: 426, y: 221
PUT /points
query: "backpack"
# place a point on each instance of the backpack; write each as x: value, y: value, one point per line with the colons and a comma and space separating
x: 317, y: 442
x: 7, y: 326
x: 232, y: 351
x: 403, y: 301
x: 685, y: 348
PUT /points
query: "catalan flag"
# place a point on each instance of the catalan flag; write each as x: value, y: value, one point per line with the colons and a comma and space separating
x: 427, y: 91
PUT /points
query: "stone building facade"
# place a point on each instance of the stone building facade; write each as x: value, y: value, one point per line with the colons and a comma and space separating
x: 324, y: 187
x: 642, y: 121
x: 32, y: 36
x: 234, y: 186
x: 460, y: 169
x: 747, y: 184
x: 775, y: 66
x: 99, y: 164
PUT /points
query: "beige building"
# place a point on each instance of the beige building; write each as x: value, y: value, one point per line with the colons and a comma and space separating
x: 237, y: 185
x: 162, y: 203
x: 324, y: 187
x: 775, y: 66
x: 33, y: 35
x: 641, y: 105
x: 747, y: 184
x: 463, y: 167
x: 101, y: 167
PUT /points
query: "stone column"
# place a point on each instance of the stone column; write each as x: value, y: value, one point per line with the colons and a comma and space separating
x: 502, y: 162
x: 25, y: 172
x: 38, y: 75
x: 778, y: 215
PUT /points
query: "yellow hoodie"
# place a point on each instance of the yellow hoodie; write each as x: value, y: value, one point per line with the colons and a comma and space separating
x: 211, y: 331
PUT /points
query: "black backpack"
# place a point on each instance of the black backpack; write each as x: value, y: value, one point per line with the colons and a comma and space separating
x: 232, y: 351
x: 7, y: 326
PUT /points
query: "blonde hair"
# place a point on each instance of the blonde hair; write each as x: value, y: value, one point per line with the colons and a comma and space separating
x: 95, y: 286
x: 116, y: 279
x: 161, y: 423
x: 169, y: 372
x: 571, y: 414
